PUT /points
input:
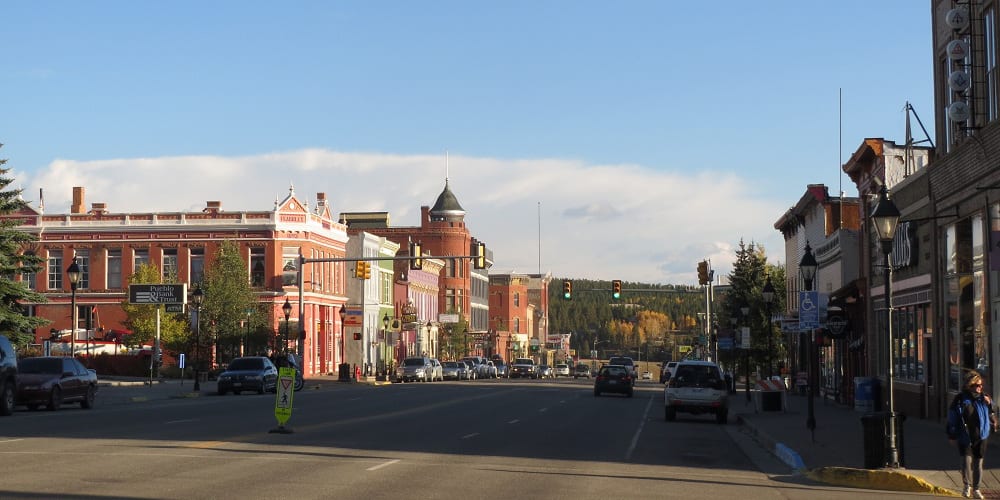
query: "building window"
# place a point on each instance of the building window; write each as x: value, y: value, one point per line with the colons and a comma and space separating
x: 257, y: 267
x: 453, y: 301
x: 196, y: 265
x: 963, y: 298
x: 911, y: 326
x: 140, y: 257
x: 83, y: 260
x: 289, y: 266
x: 114, y: 267
x: 517, y: 325
x: 55, y: 270
x: 517, y: 299
x: 169, y: 267
x: 990, y: 63
x: 28, y: 278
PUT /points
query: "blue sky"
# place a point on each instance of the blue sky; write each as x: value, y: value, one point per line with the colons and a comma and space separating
x: 640, y: 136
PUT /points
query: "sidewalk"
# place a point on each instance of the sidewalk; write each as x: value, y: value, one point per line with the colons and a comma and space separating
x: 836, y: 455
x: 123, y: 390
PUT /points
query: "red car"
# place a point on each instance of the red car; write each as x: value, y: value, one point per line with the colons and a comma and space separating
x: 54, y: 381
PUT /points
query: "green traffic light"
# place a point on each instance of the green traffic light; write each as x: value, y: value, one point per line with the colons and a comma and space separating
x: 617, y: 295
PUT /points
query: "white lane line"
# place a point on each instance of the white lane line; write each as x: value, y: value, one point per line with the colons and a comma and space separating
x: 180, y: 421
x: 514, y: 421
x: 543, y: 410
x: 635, y: 438
x: 467, y: 436
x: 11, y: 440
x: 379, y: 466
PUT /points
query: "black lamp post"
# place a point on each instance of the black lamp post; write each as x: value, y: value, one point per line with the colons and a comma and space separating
x: 745, y: 310
x: 385, y: 344
x: 343, y: 336
x: 768, y: 295
x: 73, y: 272
x: 807, y: 266
x: 886, y: 218
x: 287, y: 309
x: 246, y: 341
x: 196, y: 299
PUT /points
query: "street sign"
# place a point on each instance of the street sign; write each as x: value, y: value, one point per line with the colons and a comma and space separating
x: 745, y: 337
x: 354, y: 317
x: 447, y: 318
x: 284, y: 390
x: 808, y: 310
x: 173, y: 308
x: 725, y: 343
x: 158, y: 294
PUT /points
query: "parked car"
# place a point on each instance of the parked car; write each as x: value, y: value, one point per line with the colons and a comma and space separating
x: 696, y: 387
x: 290, y: 360
x: 647, y: 376
x: 8, y: 376
x: 613, y: 378
x: 546, y: 371
x: 437, y: 371
x: 562, y: 370
x: 248, y: 373
x: 667, y: 371
x: 464, y: 372
x: 502, y: 368
x: 472, y: 368
x: 451, y: 370
x: 415, y: 369
x: 475, y: 361
x: 487, y: 370
x: 581, y: 370
x: 54, y: 381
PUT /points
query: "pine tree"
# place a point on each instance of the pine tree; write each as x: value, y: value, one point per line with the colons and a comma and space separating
x: 15, y: 261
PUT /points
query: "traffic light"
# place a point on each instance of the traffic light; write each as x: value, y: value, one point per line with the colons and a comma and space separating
x: 567, y: 290
x: 359, y: 270
x: 416, y: 263
x: 357, y: 335
x: 616, y: 289
x: 368, y: 270
x: 703, y: 272
x: 479, y: 254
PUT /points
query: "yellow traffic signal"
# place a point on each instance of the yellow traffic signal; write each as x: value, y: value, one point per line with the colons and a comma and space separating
x: 368, y: 270
x: 478, y: 254
x: 567, y: 290
x: 703, y: 272
x: 616, y: 289
x: 359, y: 270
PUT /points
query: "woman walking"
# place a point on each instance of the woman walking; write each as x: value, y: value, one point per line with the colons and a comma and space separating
x: 970, y: 421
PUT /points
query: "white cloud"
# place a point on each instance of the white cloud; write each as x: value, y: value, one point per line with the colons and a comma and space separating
x: 597, y: 221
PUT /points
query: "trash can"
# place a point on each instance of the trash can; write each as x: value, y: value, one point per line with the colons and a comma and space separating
x: 866, y: 393
x: 770, y: 400
x: 876, y: 439
x: 344, y: 372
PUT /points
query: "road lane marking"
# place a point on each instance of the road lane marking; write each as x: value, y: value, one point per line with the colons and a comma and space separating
x: 514, y: 421
x: 11, y: 440
x: 181, y: 421
x: 635, y: 438
x: 206, y: 444
x: 467, y: 436
x: 541, y: 410
x: 379, y: 466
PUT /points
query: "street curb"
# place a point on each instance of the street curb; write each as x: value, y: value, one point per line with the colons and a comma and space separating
x: 782, y: 452
x: 876, y: 479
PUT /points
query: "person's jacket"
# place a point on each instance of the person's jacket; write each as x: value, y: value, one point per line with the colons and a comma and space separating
x: 970, y: 418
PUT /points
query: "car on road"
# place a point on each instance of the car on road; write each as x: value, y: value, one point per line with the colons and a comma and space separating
x: 562, y: 370
x: 53, y: 381
x: 452, y: 371
x: 487, y: 370
x: 546, y: 371
x: 248, y: 373
x: 8, y: 376
x: 415, y: 369
x: 613, y: 378
x: 523, y: 368
x: 437, y: 371
x: 471, y: 366
x: 502, y: 367
x: 628, y: 363
x: 667, y: 371
x: 696, y: 387
x: 647, y: 376
x: 581, y: 370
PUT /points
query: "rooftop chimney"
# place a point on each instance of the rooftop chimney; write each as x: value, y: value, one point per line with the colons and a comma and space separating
x: 77, y: 207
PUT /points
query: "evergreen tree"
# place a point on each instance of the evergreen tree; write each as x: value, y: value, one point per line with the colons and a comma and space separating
x: 15, y: 261
x: 228, y: 297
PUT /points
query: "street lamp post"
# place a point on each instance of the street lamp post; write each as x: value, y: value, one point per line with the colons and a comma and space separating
x: 196, y: 299
x: 73, y: 272
x: 384, y: 347
x: 287, y: 309
x: 807, y: 266
x: 246, y: 340
x: 886, y: 218
x: 768, y: 294
x: 343, y: 341
x: 745, y: 310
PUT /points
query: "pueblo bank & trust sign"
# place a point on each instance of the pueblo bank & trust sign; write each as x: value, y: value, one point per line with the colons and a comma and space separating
x: 158, y: 294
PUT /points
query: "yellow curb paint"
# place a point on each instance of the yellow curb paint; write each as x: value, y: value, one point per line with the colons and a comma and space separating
x: 877, y: 479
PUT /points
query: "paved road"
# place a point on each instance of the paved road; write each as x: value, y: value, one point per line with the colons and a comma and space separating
x: 481, y: 439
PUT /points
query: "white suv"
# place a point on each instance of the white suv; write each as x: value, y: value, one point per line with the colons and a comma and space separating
x: 696, y: 387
